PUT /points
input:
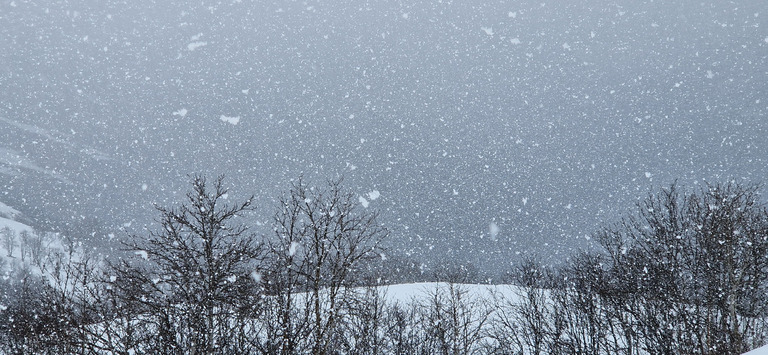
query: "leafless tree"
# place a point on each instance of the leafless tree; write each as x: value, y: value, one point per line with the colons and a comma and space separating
x: 453, y: 320
x: 25, y: 237
x: 9, y: 240
x: 322, y: 238
x: 189, y: 279
x: 523, y: 319
x: 689, y: 271
x: 364, y: 332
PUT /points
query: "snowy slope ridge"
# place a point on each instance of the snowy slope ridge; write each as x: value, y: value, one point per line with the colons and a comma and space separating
x: 26, y: 150
x: 759, y: 351
x: 406, y: 293
x: 8, y: 215
x: 17, y: 227
x: 8, y: 211
x: 30, y: 249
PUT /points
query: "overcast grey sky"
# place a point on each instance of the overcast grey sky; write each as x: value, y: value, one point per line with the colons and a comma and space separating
x: 545, y: 120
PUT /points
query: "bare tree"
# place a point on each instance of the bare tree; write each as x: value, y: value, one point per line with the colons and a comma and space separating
x: 25, y: 237
x: 9, y: 240
x: 34, y: 248
x: 688, y: 272
x: 453, y: 320
x: 403, y: 332
x: 685, y: 274
x: 578, y: 301
x: 39, y: 315
x: 322, y: 237
x: 523, y: 320
x: 191, y: 277
x: 364, y: 331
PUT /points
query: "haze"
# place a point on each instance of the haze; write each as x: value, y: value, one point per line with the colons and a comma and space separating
x: 490, y: 129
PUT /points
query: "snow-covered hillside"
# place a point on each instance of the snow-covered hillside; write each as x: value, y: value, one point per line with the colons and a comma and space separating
x: 30, y: 249
x: 407, y: 293
x: 7, y: 222
x: 8, y: 211
x: 759, y: 351
x: 17, y: 228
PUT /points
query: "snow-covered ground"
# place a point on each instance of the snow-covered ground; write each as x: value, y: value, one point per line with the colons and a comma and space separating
x: 407, y: 293
x: 47, y: 241
x: 759, y: 351
x: 8, y: 211
x: 17, y: 228
x: 419, y: 292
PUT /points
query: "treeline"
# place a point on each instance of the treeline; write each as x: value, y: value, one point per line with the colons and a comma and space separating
x: 686, y: 274
x: 31, y: 245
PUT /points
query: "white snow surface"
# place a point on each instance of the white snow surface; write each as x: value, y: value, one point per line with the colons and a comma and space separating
x: 8, y: 211
x: 16, y: 226
x: 142, y: 253
x: 759, y: 351
x: 406, y: 293
x: 418, y: 292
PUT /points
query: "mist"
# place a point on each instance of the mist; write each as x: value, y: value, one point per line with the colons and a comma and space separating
x: 489, y: 130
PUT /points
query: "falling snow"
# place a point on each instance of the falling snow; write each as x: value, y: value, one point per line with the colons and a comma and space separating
x: 458, y: 112
x: 231, y: 120
x: 181, y: 112
x: 293, y: 248
x: 493, y: 230
x: 546, y: 119
x: 195, y: 45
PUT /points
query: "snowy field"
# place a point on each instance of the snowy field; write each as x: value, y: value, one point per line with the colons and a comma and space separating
x: 406, y: 293
x: 760, y: 351
x: 17, y: 228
